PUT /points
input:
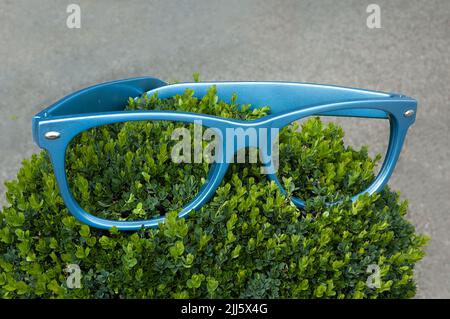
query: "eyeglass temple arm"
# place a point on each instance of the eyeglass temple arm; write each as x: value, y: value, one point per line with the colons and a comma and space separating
x: 282, y: 97
x: 104, y: 97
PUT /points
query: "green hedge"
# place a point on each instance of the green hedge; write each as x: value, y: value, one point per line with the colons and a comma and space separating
x: 248, y: 241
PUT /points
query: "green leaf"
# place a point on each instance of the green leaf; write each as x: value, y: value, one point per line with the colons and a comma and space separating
x: 177, y: 250
x: 211, y: 285
x: 84, y: 231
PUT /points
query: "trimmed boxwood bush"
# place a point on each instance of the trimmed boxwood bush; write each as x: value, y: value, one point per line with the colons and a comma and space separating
x: 249, y: 241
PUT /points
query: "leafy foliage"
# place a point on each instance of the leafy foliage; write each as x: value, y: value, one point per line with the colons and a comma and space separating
x: 248, y: 241
x: 324, y: 167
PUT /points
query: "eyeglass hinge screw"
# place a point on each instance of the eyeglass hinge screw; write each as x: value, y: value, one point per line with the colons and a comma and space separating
x: 52, y: 135
x: 409, y: 113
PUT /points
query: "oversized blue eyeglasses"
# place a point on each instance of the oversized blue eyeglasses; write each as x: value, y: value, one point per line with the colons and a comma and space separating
x: 57, y: 125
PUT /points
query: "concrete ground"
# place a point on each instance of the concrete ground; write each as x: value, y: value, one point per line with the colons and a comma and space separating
x: 41, y: 60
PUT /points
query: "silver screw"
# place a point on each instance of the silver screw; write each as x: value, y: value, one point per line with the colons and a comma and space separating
x: 409, y: 113
x: 52, y: 135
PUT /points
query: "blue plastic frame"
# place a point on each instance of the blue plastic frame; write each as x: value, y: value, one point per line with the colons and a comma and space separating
x: 104, y: 103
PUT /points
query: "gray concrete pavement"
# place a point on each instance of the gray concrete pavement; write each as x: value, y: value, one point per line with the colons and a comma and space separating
x: 41, y: 60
